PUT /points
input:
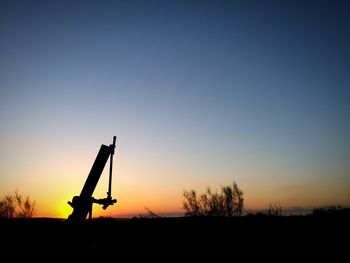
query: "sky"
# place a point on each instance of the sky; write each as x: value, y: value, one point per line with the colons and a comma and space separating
x: 198, y: 93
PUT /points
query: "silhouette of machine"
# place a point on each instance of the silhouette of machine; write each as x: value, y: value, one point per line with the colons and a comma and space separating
x: 82, y: 204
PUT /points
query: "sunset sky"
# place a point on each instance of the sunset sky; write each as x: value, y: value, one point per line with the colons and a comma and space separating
x: 198, y: 93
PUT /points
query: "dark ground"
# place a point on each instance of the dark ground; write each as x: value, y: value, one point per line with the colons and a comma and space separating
x: 302, y: 238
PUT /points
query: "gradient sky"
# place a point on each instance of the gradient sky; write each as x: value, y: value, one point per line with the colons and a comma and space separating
x: 199, y: 93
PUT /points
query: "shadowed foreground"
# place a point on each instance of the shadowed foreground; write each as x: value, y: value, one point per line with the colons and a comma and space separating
x: 101, y: 240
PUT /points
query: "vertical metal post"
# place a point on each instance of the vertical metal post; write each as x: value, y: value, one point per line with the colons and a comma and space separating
x: 112, y: 147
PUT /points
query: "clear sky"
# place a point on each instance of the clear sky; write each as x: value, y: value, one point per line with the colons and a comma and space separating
x: 199, y: 93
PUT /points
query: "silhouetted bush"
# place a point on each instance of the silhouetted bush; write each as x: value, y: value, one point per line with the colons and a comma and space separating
x: 274, y: 210
x: 226, y: 203
x: 15, y: 205
x: 150, y: 214
x: 331, y: 211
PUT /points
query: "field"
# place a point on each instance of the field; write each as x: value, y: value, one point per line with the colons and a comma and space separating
x: 168, y: 239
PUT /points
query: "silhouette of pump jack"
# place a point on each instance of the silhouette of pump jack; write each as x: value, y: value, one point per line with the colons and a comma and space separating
x: 82, y: 204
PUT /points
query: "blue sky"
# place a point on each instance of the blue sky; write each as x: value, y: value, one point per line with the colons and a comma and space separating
x: 198, y: 92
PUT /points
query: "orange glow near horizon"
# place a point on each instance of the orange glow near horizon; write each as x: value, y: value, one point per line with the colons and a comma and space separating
x: 134, y: 198
x: 156, y: 179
